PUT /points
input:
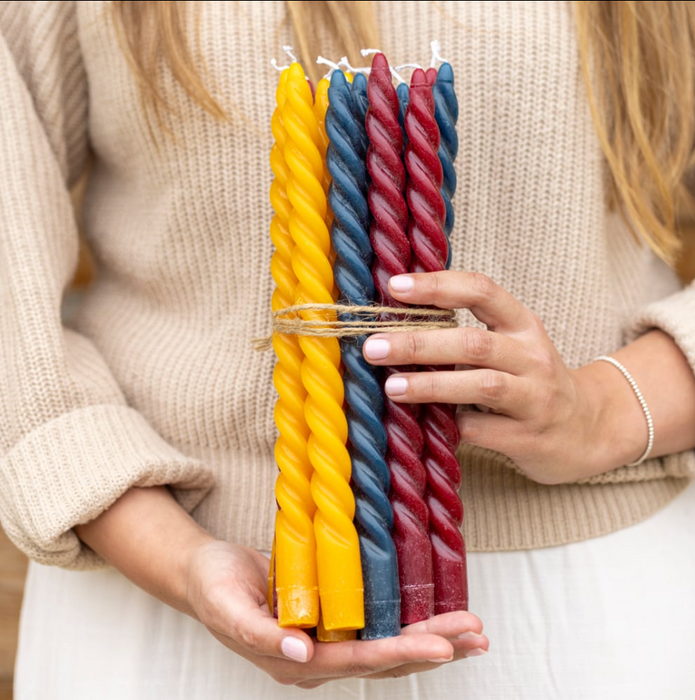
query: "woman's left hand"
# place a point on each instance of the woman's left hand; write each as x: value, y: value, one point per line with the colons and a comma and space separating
x: 553, y: 422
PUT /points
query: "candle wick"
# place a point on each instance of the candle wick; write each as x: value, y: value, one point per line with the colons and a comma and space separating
x: 288, y: 50
x: 436, y: 56
x: 274, y: 64
x: 333, y: 66
x: 414, y: 66
x: 344, y: 62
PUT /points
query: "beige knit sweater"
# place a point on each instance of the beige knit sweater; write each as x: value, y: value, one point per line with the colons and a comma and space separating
x: 158, y: 382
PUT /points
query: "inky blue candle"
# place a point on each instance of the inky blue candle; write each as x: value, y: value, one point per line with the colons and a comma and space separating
x: 360, y: 103
x: 403, y: 93
x: 446, y: 112
x: 365, y: 402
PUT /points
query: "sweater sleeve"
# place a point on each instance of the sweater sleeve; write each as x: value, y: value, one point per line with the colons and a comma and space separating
x: 674, y: 315
x: 69, y: 443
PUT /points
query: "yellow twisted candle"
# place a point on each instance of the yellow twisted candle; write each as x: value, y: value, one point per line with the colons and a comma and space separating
x: 296, y: 580
x: 320, y: 107
x: 338, y: 556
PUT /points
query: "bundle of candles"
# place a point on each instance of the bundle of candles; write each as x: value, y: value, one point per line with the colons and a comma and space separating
x: 368, y: 525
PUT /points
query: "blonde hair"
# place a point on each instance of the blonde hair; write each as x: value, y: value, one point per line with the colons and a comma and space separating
x: 638, y: 60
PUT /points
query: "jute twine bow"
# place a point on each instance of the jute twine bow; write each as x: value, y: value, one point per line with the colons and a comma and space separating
x: 323, y: 321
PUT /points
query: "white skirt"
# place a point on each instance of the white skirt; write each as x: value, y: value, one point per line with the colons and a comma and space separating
x: 605, y: 619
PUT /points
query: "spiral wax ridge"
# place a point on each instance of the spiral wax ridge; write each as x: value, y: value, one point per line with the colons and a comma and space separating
x: 446, y: 113
x: 365, y: 404
x: 392, y: 257
x: 430, y: 248
x: 296, y: 591
x: 339, y: 570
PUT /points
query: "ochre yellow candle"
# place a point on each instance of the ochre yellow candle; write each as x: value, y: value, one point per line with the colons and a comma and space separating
x: 338, y: 555
x: 320, y: 107
x: 296, y: 579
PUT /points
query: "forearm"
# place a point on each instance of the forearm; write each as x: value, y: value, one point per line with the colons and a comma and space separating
x: 667, y: 383
x: 148, y: 537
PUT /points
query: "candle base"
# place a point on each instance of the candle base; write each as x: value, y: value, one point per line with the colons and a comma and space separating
x: 417, y: 603
x: 330, y: 636
x: 297, y: 607
x: 451, y: 584
x: 342, y: 610
x: 382, y: 619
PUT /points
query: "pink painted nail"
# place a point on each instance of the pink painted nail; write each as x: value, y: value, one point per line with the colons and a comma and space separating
x: 294, y: 649
x: 402, y: 283
x: 476, y: 652
x: 396, y: 386
x: 441, y: 660
x: 376, y: 349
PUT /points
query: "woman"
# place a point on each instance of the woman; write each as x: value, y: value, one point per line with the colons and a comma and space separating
x: 116, y: 428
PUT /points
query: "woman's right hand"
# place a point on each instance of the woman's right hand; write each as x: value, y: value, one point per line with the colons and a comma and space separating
x: 226, y: 591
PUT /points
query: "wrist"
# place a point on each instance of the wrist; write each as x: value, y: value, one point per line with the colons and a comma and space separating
x: 617, y: 432
x: 150, y: 539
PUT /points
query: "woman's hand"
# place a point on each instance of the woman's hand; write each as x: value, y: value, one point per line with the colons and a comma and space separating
x: 158, y: 546
x: 556, y: 424
x: 226, y: 592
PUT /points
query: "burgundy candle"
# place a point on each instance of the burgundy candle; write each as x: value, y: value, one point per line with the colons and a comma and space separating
x: 430, y: 252
x: 393, y: 257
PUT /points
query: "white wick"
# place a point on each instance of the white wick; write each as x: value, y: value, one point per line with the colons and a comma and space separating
x: 325, y: 62
x: 288, y: 50
x: 344, y: 62
x: 436, y: 56
x: 274, y: 64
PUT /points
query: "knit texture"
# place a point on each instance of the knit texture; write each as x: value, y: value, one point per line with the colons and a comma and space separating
x: 158, y: 382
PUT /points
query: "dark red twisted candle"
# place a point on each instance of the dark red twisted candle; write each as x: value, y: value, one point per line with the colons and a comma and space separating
x: 392, y: 257
x: 430, y: 252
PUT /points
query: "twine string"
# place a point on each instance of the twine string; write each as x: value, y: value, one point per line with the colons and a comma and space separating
x: 322, y: 321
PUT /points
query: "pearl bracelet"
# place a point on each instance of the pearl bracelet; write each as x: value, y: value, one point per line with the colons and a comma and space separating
x: 643, y: 403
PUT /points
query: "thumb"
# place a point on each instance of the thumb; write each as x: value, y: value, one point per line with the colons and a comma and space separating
x: 252, y: 631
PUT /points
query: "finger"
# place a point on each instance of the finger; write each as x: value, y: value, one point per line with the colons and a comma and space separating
x: 463, y: 629
x: 238, y: 615
x: 487, y: 301
x: 498, y: 433
x: 366, y: 659
x: 499, y: 391
x: 361, y: 658
x: 447, y: 625
x: 464, y: 346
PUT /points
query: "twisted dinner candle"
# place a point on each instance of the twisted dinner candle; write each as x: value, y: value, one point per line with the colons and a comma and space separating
x: 365, y: 404
x: 430, y: 249
x: 295, y: 544
x: 392, y: 257
x: 338, y: 555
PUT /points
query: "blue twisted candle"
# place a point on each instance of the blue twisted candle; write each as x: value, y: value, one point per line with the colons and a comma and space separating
x: 446, y: 113
x: 365, y: 403
x: 403, y: 93
x: 360, y: 100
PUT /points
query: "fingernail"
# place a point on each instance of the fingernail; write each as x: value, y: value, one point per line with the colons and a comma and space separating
x: 476, y: 652
x: 294, y: 649
x: 441, y: 660
x: 402, y: 283
x: 396, y: 386
x: 470, y: 637
x: 376, y: 349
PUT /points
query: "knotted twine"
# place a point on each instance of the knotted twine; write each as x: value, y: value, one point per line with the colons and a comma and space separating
x: 288, y: 321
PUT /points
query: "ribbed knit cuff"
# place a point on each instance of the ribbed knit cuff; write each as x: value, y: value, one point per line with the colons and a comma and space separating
x: 70, y: 470
x: 674, y: 315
